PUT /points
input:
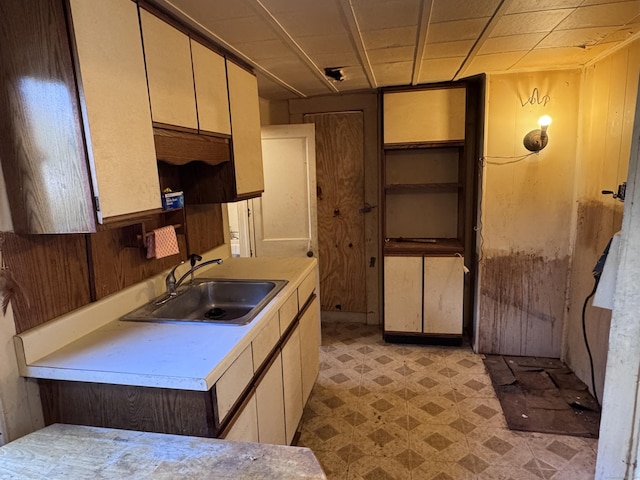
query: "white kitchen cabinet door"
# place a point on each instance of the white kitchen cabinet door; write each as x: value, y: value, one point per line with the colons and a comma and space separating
x: 245, y: 130
x: 210, y: 78
x: 403, y: 294
x: 245, y: 426
x: 310, y: 348
x: 116, y: 114
x: 292, y: 380
x: 429, y: 115
x: 169, y: 72
x: 443, y: 294
x: 233, y: 381
x: 270, y: 403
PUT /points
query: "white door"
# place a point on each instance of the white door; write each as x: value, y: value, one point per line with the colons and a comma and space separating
x: 285, y: 217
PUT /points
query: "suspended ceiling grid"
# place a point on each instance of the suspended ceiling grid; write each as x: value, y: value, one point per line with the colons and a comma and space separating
x: 380, y: 43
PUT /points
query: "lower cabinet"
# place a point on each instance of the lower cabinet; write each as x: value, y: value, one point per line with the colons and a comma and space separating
x: 423, y: 298
x: 292, y: 378
x: 271, y: 408
x: 309, y: 347
x: 245, y: 426
x: 259, y: 398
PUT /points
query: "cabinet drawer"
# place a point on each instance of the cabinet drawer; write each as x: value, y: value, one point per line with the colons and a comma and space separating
x: 306, y: 288
x: 265, y: 340
x: 233, y: 382
x: 288, y: 312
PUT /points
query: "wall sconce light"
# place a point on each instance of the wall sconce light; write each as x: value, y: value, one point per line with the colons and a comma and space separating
x: 537, y: 139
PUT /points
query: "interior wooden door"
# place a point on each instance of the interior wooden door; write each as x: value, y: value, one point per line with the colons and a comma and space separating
x: 340, y: 200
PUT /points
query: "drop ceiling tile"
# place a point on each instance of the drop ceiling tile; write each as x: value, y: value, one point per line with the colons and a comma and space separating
x: 601, y: 15
x: 379, y: 14
x: 388, y: 55
x: 448, y: 49
x: 520, y: 23
x: 511, y: 43
x: 344, y: 59
x: 291, y: 61
x: 326, y: 44
x: 213, y: 10
x: 243, y: 30
x: 576, y: 38
x: 448, y: 10
x: 390, y: 37
x: 281, y: 6
x: 264, y: 49
x: 559, y: 57
x: 388, y: 74
x: 521, y: 6
x: 439, y: 69
x: 496, y: 62
x: 271, y: 90
x: 623, y: 34
x: 355, y: 79
x: 457, y: 30
x: 312, y: 22
x: 599, y: 2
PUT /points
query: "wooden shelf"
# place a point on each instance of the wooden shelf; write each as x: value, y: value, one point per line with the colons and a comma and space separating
x: 422, y: 247
x: 423, y: 187
x: 414, y: 145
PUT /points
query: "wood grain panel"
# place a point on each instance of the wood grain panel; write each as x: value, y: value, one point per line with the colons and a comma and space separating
x: 340, y: 185
x: 204, y: 227
x: 53, y: 272
x: 116, y: 264
x: 146, y: 409
x: 179, y: 148
x: 41, y: 145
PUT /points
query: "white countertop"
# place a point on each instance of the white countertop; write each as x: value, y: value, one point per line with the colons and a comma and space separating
x: 169, y: 355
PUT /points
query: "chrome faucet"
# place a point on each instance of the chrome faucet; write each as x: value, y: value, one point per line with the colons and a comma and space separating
x: 172, y: 284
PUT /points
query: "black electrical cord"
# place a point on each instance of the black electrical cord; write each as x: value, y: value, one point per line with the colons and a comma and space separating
x: 584, y: 333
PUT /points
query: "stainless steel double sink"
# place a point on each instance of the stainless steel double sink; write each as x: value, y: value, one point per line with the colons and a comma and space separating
x: 209, y: 300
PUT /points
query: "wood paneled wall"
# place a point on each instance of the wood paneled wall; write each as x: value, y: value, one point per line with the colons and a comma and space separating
x: 60, y: 273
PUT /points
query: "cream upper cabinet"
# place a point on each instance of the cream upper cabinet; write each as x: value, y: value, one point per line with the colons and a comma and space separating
x: 210, y: 77
x: 245, y: 131
x: 429, y: 115
x: 116, y: 111
x: 170, y: 76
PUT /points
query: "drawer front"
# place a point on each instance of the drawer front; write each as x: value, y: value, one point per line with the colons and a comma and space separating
x: 306, y: 288
x: 288, y: 312
x: 233, y: 381
x: 265, y: 340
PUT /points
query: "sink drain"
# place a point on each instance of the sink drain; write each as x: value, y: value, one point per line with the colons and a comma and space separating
x: 215, y: 313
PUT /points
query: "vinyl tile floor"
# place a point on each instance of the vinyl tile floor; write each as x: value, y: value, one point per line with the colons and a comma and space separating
x: 385, y: 411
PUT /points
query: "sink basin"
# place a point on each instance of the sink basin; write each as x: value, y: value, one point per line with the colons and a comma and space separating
x: 229, y: 302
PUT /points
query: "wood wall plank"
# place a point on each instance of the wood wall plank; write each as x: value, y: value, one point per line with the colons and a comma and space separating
x: 119, y: 263
x: 53, y: 273
x: 204, y: 227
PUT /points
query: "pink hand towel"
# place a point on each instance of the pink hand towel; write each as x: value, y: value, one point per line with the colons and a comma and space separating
x: 162, y: 242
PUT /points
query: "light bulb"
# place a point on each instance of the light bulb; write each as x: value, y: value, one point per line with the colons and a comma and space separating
x: 544, y: 121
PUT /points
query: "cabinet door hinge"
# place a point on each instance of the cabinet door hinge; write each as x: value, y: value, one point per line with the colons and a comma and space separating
x: 96, y: 203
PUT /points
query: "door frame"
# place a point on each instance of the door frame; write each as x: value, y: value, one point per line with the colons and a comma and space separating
x: 368, y: 104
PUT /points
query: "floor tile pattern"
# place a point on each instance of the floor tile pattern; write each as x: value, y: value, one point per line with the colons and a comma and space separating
x: 382, y: 411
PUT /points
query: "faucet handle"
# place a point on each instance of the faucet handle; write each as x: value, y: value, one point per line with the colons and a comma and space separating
x: 193, y: 258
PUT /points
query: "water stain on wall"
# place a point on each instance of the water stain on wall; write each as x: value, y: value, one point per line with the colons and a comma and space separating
x: 522, y: 301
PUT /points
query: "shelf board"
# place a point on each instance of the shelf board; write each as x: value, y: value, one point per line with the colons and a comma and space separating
x: 422, y: 247
x: 408, y: 146
x: 404, y: 187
